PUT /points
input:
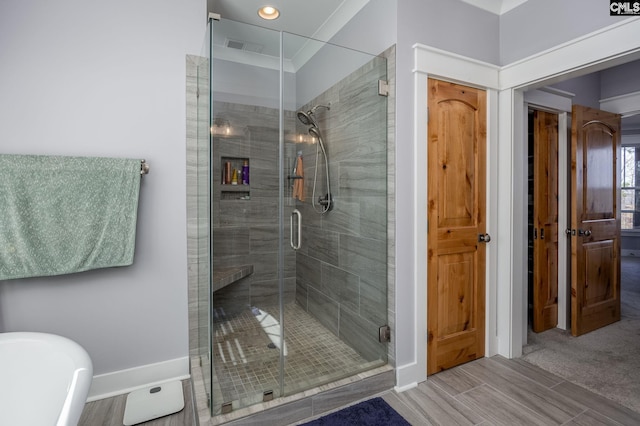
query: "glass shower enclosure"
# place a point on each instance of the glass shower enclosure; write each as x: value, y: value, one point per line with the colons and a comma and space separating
x: 298, y: 214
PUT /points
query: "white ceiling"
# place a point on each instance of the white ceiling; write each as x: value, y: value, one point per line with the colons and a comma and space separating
x: 496, y: 6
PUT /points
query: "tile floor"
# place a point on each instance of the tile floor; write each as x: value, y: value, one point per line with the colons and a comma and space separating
x: 247, y: 363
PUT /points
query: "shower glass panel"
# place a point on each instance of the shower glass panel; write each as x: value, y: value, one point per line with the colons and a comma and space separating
x: 298, y: 233
x: 246, y: 227
x: 335, y: 123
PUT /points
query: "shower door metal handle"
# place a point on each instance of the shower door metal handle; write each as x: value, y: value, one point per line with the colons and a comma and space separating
x: 297, y: 244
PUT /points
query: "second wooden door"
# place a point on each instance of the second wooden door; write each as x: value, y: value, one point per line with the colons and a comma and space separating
x: 595, y: 219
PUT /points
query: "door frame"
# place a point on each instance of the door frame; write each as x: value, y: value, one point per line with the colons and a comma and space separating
x: 558, y: 102
x: 506, y: 157
x: 434, y: 63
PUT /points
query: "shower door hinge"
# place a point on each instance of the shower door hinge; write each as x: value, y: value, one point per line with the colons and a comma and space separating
x: 383, y: 88
x: 384, y: 334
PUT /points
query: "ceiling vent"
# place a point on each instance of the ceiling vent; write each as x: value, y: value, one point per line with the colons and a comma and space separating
x: 243, y: 45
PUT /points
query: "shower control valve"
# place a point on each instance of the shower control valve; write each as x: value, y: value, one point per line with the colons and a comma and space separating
x: 326, y: 201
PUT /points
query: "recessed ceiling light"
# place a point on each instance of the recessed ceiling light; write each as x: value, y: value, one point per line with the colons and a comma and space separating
x: 268, y: 12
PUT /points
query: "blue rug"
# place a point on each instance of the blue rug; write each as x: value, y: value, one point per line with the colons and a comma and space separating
x: 374, y: 412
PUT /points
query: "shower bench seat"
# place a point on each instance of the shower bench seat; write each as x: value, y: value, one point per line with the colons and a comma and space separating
x: 223, y: 277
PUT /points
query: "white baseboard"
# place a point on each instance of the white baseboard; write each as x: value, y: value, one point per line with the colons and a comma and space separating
x: 408, y: 376
x: 405, y: 388
x: 124, y: 381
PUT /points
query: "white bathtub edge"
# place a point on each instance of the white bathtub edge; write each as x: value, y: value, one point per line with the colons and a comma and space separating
x: 125, y: 381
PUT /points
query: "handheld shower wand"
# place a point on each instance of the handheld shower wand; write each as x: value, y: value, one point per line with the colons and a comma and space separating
x: 307, y: 118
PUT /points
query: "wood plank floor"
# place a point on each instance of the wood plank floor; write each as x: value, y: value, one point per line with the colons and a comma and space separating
x: 499, y: 391
x: 110, y: 412
x: 489, y: 391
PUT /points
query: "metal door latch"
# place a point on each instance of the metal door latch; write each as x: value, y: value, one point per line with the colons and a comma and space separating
x: 384, y: 334
x: 383, y: 88
x: 484, y: 238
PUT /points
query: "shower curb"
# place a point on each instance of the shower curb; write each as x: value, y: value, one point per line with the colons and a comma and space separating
x: 294, y: 408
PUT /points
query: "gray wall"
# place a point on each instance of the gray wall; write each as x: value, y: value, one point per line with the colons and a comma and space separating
x: 251, y: 85
x: 198, y: 210
x: 539, y: 25
x: 620, y: 80
x: 341, y: 268
x: 85, y: 78
x: 245, y: 232
x: 590, y: 89
x: 339, y: 275
x: 586, y: 89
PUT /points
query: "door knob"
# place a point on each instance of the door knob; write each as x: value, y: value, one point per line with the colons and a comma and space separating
x: 583, y: 233
x: 484, y: 238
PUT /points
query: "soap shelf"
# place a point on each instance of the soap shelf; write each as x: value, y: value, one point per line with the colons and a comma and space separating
x: 228, y: 191
x: 234, y: 188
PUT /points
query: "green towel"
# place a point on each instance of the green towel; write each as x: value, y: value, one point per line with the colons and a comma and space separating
x: 60, y: 215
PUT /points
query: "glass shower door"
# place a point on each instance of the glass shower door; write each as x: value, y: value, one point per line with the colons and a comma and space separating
x: 246, y: 220
x: 298, y: 214
x: 335, y: 136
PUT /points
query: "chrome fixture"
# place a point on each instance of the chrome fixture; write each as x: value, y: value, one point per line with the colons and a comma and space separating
x: 325, y: 203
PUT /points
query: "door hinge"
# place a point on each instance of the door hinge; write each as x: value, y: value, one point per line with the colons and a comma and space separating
x: 570, y: 232
x: 383, y: 88
x: 384, y: 334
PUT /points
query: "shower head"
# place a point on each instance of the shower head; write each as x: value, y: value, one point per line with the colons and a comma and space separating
x: 314, y: 131
x: 307, y: 119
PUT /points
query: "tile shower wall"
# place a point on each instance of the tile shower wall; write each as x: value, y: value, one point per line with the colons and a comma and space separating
x: 197, y: 86
x: 341, y: 268
x: 390, y: 55
x: 339, y: 274
x: 245, y: 224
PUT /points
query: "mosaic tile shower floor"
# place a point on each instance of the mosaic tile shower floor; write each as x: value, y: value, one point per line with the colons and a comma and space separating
x: 246, y: 361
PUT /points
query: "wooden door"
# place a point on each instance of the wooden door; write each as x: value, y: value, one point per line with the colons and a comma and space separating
x: 545, y: 221
x: 456, y: 164
x: 595, y: 219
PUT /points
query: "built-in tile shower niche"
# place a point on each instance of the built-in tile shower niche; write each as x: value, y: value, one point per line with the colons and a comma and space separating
x: 299, y: 294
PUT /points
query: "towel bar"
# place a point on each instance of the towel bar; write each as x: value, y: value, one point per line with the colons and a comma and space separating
x: 144, y: 168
